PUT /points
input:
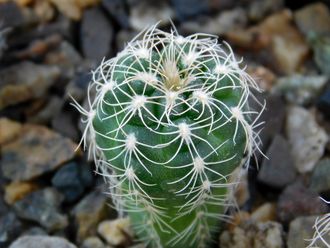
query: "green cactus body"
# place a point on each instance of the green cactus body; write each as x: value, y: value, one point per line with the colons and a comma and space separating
x: 168, y: 125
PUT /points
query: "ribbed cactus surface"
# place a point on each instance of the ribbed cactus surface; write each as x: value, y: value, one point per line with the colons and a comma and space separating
x: 167, y: 126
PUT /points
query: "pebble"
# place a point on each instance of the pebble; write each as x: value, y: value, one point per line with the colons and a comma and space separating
x: 123, y: 37
x: 10, y: 228
x: 65, y: 124
x: 265, y: 78
x: 265, y: 212
x: 188, y: 9
x: 11, y: 15
x: 306, y: 138
x: 4, y: 208
x: 224, y: 22
x: 19, y: 157
x: 77, y: 88
x: 321, y: 48
x: 88, y: 213
x: 115, y: 232
x: 323, y: 103
x: 242, y: 193
x: 96, y: 42
x: 9, y: 130
x: 25, y: 81
x: 301, y: 230
x: 314, y: 17
x: 297, y: 200
x: 258, y: 9
x: 300, y: 89
x: 18, y: 190
x: 72, y: 179
x: 286, y: 45
x: 38, y: 231
x: 277, y: 168
x: 273, y: 117
x: 66, y: 58
x: 320, y: 177
x: 42, y: 206
x: 41, y: 242
x: 44, y: 10
x: 93, y: 242
x: 145, y: 13
x: 73, y: 8
x: 39, y: 47
x: 253, y: 235
x: 117, y: 10
x: 47, y: 113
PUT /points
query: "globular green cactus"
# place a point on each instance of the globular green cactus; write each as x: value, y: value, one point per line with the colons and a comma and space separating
x: 168, y: 125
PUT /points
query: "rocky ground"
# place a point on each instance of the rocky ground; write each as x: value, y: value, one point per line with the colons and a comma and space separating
x: 50, y: 195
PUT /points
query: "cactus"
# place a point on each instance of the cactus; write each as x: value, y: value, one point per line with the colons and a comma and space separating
x: 322, y: 231
x: 168, y: 125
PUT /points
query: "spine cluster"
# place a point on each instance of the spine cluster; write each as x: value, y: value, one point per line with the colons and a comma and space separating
x: 167, y: 122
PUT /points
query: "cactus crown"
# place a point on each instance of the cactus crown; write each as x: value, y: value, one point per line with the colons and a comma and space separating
x: 168, y: 124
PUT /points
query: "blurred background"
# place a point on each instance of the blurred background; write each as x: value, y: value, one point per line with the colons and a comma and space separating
x: 47, y: 50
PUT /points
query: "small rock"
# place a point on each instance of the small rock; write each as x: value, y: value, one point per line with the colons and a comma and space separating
x: 25, y: 81
x: 265, y: 78
x: 44, y: 10
x: 35, y: 231
x: 88, y: 213
x: 323, y: 103
x: 320, y: 178
x: 51, y: 109
x: 254, y: 235
x: 123, y: 37
x: 301, y: 230
x: 3, y: 206
x: 66, y: 58
x: 273, y: 117
x: 226, y: 21
x: 72, y: 180
x: 314, y: 17
x: 73, y: 8
x: 61, y: 26
x: 276, y: 34
x: 115, y: 232
x: 93, y: 242
x: 37, y: 49
x: 321, y: 47
x: 277, y: 169
x: 144, y: 13
x: 9, y: 130
x: 77, y: 88
x: 300, y: 89
x: 96, y: 42
x: 306, y: 138
x: 187, y: 9
x: 51, y: 150
x: 42, y: 206
x: 65, y: 123
x: 11, y: 15
x: 266, y: 212
x: 259, y: 9
x: 118, y: 10
x: 242, y: 193
x: 297, y: 200
x: 18, y: 190
x: 10, y: 228
x: 41, y: 242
